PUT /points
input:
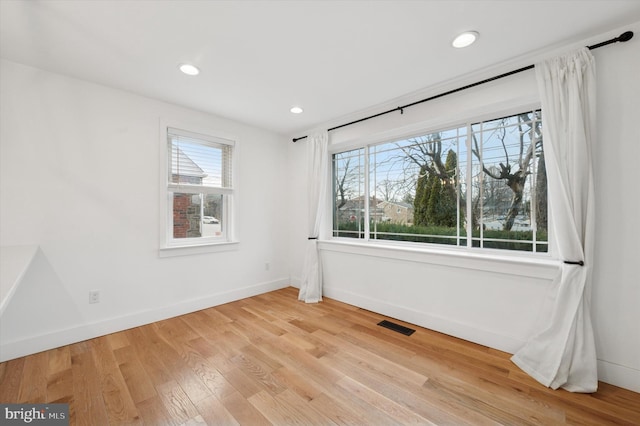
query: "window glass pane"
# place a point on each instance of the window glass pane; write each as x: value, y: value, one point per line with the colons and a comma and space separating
x: 197, y: 215
x: 199, y: 163
x: 509, y: 183
x: 212, y: 218
x: 348, y: 194
x: 187, y: 215
x: 414, y: 189
x: 461, y: 183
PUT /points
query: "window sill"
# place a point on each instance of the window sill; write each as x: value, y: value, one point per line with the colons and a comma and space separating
x: 186, y: 250
x: 536, y: 266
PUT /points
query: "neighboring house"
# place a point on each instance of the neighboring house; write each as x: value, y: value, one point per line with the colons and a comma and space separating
x: 353, y: 210
x: 397, y: 212
x: 187, y: 208
x: 184, y: 169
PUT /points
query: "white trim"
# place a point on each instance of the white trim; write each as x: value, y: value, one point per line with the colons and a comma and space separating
x: 215, y: 141
x: 199, y: 247
x: 510, y: 263
x: 33, y: 344
x: 187, y: 188
x: 619, y: 375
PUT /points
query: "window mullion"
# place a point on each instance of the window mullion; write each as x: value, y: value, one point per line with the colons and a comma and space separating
x: 198, y: 189
x: 533, y: 185
x: 469, y: 184
x: 367, y: 218
x: 481, y: 187
x: 457, y: 180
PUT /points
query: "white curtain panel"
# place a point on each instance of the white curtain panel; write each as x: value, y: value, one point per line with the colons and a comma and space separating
x: 317, y: 181
x: 562, y: 353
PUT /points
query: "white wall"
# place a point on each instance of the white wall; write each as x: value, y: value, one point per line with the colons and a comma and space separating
x: 498, y: 303
x: 80, y: 179
x: 616, y: 275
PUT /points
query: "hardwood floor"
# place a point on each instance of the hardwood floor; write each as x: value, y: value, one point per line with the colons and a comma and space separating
x: 270, y: 359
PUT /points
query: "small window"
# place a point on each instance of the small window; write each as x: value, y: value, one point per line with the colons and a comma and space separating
x: 199, y: 188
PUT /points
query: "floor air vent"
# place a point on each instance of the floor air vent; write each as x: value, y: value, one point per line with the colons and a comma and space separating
x: 396, y: 327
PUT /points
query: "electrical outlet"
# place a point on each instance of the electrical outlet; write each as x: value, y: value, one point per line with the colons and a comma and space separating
x: 94, y: 296
x: 267, y: 266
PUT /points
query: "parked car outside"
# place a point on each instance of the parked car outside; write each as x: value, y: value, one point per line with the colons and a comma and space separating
x: 209, y: 219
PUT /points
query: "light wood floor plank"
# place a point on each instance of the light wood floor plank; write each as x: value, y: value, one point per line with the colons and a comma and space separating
x: 243, y: 383
x: 362, y: 406
x: 243, y: 412
x: 175, y: 357
x: 153, y: 412
x: 273, y: 360
x: 140, y: 385
x: 145, y: 351
x: 435, y: 410
x: 176, y: 402
x: 60, y: 387
x: 115, y: 393
x: 59, y: 360
x: 212, y: 412
x: 300, y: 383
x: 286, y: 409
x: 33, y: 387
x: 87, y: 406
x: 397, y: 412
x: 10, y: 380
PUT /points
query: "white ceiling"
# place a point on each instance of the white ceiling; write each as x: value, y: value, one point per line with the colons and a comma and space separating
x: 259, y: 58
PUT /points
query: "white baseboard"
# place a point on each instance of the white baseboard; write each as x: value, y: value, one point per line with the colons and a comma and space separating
x: 295, y: 282
x: 443, y: 325
x: 33, y: 344
x: 619, y: 375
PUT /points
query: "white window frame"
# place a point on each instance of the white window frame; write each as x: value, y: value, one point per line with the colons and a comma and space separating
x: 170, y: 246
x: 466, y: 119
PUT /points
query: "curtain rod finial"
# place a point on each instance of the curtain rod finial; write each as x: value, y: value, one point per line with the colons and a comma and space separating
x: 626, y: 36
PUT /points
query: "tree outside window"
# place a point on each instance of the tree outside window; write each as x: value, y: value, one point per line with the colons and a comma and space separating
x: 485, y: 180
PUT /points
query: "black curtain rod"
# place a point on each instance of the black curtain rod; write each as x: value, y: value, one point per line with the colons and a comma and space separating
x: 626, y: 36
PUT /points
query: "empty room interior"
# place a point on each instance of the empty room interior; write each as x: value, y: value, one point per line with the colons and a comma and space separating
x: 319, y: 212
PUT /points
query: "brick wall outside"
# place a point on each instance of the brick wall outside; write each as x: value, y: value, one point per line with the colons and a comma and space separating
x: 186, y: 217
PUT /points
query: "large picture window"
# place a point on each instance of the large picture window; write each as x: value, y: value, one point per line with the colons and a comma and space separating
x: 478, y: 185
x: 199, y: 188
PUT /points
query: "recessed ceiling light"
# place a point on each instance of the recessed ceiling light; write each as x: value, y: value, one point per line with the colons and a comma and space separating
x: 465, y: 39
x: 189, y: 69
x: 296, y: 110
